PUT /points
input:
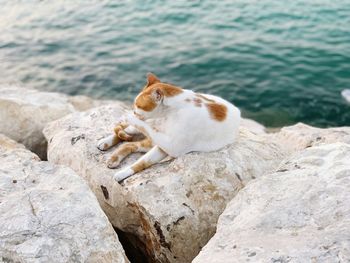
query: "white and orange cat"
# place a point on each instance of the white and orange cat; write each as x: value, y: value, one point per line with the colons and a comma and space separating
x: 175, y: 121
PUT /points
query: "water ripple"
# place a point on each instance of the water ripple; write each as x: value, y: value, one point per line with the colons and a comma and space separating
x: 281, y: 62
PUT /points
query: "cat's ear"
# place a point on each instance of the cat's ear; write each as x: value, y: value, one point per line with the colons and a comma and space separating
x: 151, y: 79
x: 157, y: 95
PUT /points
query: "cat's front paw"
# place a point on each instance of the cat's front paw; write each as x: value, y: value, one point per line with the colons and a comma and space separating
x: 131, y: 119
x: 123, y: 174
x: 105, y: 143
x: 124, y: 136
x: 113, y: 162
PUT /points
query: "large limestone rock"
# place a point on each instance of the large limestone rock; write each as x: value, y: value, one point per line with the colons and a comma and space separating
x: 300, y: 213
x: 24, y: 113
x: 301, y: 136
x: 253, y: 126
x: 172, y: 208
x: 49, y: 214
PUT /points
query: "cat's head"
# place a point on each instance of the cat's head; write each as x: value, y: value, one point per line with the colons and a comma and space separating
x: 150, y: 101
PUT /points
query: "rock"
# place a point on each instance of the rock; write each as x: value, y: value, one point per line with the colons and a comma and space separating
x: 346, y: 94
x: 83, y: 103
x: 171, y: 208
x: 49, y: 214
x: 24, y: 113
x: 301, y: 136
x: 300, y: 213
x: 253, y: 126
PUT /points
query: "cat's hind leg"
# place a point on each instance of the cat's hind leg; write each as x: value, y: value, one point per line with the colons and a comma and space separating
x: 126, y: 149
x: 155, y: 155
x: 119, y: 135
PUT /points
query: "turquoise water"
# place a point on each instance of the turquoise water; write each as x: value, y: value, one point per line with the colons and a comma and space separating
x: 280, y: 61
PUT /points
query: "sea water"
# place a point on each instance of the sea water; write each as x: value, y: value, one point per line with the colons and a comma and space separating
x: 281, y: 62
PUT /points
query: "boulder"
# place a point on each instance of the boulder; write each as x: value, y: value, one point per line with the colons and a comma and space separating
x: 172, y: 208
x: 346, y: 94
x: 24, y: 113
x: 49, y: 214
x: 300, y: 213
x: 301, y: 136
x: 253, y: 126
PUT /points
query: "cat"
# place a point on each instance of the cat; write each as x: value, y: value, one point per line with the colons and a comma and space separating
x: 175, y: 121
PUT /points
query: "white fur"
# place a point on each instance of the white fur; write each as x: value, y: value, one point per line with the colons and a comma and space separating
x: 153, y: 156
x: 177, y: 127
x: 131, y: 130
x: 185, y: 128
x: 106, y: 143
x: 123, y: 174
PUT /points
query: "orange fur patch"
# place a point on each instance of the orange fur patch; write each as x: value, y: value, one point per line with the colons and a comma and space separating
x: 140, y: 166
x: 151, y: 79
x: 217, y: 111
x: 127, y: 148
x: 169, y: 90
x: 124, y: 136
x: 118, y: 128
x: 145, y: 101
x: 123, y: 151
x: 146, y: 143
x: 120, y: 134
x: 114, y: 158
x: 116, y: 140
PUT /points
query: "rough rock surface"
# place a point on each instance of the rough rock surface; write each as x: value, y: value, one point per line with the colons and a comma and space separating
x: 300, y: 213
x: 24, y: 113
x: 253, y: 126
x: 49, y: 214
x: 301, y: 136
x: 173, y: 207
